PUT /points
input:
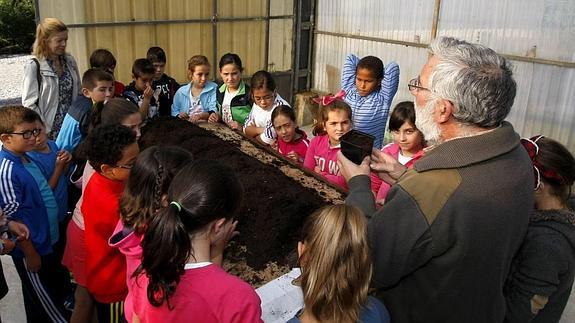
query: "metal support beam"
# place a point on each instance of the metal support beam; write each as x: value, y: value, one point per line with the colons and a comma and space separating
x: 526, y: 59
x: 212, y: 19
x: 435, y: 21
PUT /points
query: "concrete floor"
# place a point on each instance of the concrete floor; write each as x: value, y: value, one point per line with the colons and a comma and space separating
x: 12, y: 306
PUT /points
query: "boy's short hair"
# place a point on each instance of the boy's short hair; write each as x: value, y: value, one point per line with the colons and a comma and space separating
x: 94, y: 75
x: 102, y: 58
x: 105, y: 144
x: 13, y: 115
x: 373, y: 64
x: 142, y: 66
x: 156, y: 55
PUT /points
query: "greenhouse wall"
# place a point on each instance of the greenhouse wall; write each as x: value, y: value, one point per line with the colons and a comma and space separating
x: 537, y: 36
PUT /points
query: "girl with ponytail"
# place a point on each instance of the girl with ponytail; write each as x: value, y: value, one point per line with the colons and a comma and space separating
x: 336, y: 269
x: 180, y: 278
x: 543, y: 270
x: 144, y: 195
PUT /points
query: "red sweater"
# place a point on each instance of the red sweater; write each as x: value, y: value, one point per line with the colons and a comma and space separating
x: 105, y: 266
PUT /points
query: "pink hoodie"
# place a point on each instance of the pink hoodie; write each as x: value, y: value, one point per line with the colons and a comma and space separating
x: 130, y: 245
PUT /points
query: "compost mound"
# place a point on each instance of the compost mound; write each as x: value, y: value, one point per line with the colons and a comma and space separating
x: 273, y: 207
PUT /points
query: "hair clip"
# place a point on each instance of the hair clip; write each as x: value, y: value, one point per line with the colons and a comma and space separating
x: 329, y: 99
x: 177, y: 205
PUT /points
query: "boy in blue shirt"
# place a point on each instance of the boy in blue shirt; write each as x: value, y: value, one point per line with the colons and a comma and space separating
x: 45, y: 282
x: 97, y: 87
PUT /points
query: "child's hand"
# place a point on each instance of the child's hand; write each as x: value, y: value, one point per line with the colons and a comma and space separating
x: 293, y: 156
x: 234, y: 125
x: 317, y: 169
x: 33, y: 262
x: 221, y: 239
x: 183, y: 115
x: 214, y: 117
x: 8, y: 246
x: 19, y: 229
x: 148, y: 93
x: 63, y: 158
x: 195, y: 117
x: 274, y: 145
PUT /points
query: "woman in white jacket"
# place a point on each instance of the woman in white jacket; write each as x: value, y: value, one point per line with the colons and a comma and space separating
x: 51, y: 78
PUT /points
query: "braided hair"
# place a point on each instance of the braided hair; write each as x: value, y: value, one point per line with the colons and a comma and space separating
x: 149, y: 182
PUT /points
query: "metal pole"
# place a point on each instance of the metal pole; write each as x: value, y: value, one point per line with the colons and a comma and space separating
x: 435, y: 21
x: 267, y: 36
x: 214, y: 21
x: 37, y: 11
x: 295, y: 46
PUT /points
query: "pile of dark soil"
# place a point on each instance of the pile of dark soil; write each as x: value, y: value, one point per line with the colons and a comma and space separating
x: 274, y: 205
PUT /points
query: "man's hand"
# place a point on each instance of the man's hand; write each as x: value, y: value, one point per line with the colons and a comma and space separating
x: 349, y: 169
x: 386, y: 167
x: 183, y: 115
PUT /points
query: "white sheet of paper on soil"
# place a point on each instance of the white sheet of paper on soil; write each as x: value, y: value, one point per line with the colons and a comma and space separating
x: 281, y: 300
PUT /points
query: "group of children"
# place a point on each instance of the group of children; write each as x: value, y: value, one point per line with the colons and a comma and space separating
x: 145, y: 243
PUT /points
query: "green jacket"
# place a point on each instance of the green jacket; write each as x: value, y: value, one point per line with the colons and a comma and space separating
x: 241, y: 104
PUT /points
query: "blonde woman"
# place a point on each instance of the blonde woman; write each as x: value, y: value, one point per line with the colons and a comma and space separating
x: 51, y: 77
x: 336, y: 269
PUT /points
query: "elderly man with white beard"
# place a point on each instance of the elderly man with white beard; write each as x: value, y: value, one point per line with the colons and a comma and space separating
x: 443, y: 242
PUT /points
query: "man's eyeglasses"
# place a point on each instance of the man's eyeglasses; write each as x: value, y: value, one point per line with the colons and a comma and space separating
x: 415, y: 85
x: 533, y: 150
x: 28, y: 133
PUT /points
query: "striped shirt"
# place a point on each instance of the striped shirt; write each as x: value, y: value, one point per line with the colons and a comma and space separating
x: 369, y: 113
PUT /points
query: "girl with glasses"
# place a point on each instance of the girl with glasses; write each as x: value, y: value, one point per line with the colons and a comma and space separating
x: 259, y: 122
x: 543, y: 270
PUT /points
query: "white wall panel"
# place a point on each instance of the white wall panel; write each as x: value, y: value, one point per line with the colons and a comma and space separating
x: 535, y: 28
x: 398, y: 20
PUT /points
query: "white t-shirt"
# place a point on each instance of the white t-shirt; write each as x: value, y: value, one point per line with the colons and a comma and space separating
x: 226, y: 110
x: 403, y: 159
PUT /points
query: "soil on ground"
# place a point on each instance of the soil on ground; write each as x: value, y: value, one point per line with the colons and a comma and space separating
x: 274, y: 204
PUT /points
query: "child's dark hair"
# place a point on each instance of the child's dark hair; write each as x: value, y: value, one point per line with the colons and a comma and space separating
x: 113, y: 112
x: 142, y: 66
x: 373, y: 64
x: 402, y: 112
x: 214, y: 193
x: 323, y: 112
x: 104, y: 59
x: 262, y: 80
x: 94, y: 75
x: 557, y: 167
x: 156, y: 55
x: 149, y: 180
x: 285, y: 110
x: 105, y: 145
x: 231, y: 58
x: 13, y: 115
